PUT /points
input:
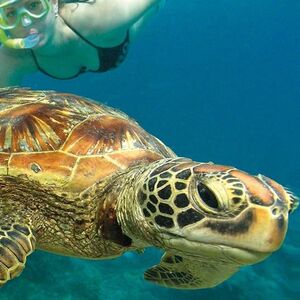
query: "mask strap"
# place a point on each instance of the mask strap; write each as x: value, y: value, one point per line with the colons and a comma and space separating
x: 55, y: 8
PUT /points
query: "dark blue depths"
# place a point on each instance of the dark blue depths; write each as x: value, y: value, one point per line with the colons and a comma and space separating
x: 216, y: 81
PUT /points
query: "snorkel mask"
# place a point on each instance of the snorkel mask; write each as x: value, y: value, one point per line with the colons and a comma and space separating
x: 12, y: 13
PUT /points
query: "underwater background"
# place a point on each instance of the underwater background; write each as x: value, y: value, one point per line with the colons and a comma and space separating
x: 217, y: 81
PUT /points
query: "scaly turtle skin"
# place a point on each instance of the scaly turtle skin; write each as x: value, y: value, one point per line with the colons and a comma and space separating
x: 79, y: 178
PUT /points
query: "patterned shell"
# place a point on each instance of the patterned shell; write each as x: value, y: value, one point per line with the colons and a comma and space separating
x: 67, y: 141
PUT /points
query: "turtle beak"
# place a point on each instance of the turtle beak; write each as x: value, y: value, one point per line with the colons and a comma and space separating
x: 275, y: 216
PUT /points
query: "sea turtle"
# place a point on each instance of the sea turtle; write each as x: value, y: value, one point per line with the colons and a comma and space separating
x: 79, y: 178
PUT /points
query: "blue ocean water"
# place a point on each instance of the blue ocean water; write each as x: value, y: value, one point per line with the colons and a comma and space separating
x: 216, y: 81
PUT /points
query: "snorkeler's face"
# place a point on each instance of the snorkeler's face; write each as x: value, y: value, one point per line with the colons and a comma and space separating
x: 25, y: 17
x: 14, y: 12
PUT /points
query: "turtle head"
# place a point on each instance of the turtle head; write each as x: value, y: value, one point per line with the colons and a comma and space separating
x: 197, y: 208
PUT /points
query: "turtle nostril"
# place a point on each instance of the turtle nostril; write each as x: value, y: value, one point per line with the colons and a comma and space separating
x: 275, y: 211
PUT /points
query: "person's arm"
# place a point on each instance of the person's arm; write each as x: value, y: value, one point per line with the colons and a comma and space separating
x: 14, y: 64
x: 106, y: 16
x: 139, y: 24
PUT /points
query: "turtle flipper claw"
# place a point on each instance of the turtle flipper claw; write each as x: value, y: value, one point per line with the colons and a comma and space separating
x: 16, y: 243
x: 179, y: 272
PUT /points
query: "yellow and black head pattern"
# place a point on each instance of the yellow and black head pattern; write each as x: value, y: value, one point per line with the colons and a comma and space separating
x: 214, y: 204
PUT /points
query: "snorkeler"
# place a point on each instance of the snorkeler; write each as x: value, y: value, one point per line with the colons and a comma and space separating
x: 65, y: 39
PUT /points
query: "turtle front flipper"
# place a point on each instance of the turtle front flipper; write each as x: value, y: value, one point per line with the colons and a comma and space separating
x: 16, y: 243
x: 175, y: 271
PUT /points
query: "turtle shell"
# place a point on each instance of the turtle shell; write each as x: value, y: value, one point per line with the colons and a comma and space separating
x: 68, y: 141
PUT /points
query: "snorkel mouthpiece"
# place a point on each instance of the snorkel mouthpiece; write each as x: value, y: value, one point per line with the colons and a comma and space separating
x: 27, y: 42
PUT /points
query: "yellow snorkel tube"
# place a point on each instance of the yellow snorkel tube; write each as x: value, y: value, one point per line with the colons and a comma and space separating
x: 19, y: 43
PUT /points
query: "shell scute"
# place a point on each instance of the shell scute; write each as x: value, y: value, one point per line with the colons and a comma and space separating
x: 89, y: 170
x: 41, y: 166
x: 102, y: 134
x: 65, y: 140
x: 35, y: 127
x: 129, y: 158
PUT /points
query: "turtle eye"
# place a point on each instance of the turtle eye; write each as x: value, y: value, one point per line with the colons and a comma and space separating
x: 207, y: 196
